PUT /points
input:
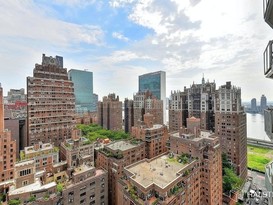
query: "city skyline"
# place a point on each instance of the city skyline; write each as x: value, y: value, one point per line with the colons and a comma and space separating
x: 183, y: 38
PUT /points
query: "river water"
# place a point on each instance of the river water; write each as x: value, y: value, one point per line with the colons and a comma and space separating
x: 255, y: 127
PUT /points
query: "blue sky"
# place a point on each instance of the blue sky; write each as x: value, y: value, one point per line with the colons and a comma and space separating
x: 121, y: 39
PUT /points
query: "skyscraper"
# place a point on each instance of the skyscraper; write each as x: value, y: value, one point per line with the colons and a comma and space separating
x: 230, y: 126
x: 51, y: 102
x: 156, y: 83
x: 83, y: 89
x: 263, y: 103
x: 253, y: 105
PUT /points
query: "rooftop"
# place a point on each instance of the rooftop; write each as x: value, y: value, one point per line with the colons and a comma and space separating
x: 82, y: 168
x: 155, y: 126
x: 120, y: 145
x: 35, y: 187
x: 160, y: 171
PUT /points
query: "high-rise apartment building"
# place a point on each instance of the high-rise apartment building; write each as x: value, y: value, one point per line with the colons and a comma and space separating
x: 253, y: 105
x: 205, y: 147
x: 83, y: 89
x: 156, y: 83
x: 230, y: 126
x: 110, y: 112
x: 263, y: 105
x: 51, y: 102
x: 16, y: 95
x: 178, y: 110
x: 146, y: 102
x: 7, y: 147
x: 201, y: 103
x: 128, y: 115
x: 154, y: 135
x: 113, y: 158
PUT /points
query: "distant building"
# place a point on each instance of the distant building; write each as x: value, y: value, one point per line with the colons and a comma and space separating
x: 16, y: 95
x: 51, y: 103
x: 154, y: 135
x: 178, y: 110
x: 253, y: 105
x: 128, y: 115
x: 146, y: 102
x: 156, y: 83
x: 230, y: 126
x: 263, y: 103
x: 110, y: 112
x: 113, y: 158
x: 268, y: 122
x: 83, y: 89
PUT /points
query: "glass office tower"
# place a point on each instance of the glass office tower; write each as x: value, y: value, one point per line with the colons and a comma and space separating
x: 156, y: 83
x: 83, y: 89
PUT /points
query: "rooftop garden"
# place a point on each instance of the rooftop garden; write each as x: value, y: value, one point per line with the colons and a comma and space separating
x: 94, y: 132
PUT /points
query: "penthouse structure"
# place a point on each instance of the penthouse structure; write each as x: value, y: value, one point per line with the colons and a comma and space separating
x: 7, y: 147
x: 77, y: 150
x: 110, y: 112
x: 45, y: 155
x: 230, y: 126
x: 113, y: 157
x: 161, y: 180
x: 51, y: 103
x: 155, y: 136
x: 178, y: 110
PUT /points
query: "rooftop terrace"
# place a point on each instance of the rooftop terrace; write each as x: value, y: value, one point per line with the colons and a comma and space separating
x: 120, y: 145
x: 160, y: 171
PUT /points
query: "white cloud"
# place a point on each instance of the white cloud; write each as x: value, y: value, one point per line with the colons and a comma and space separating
x: 23, y: 19
x: 75, y: 3
x: 120, y: 36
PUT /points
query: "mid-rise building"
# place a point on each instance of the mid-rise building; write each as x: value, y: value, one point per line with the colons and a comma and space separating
x: 7, y: 147
x: 161, y: 180
x: 110, y: 112
x: 154, y: 82
x: 230, y: 126
x: 178, y: 110
x: 113, y: 158
x: 51, y: 103
x: 45, y: 155
x: 83, y: 89
x: 154, y: 135
x: 205, y: 147
x: 77, y: 150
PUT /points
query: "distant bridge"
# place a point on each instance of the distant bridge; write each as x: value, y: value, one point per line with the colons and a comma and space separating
x: 260, y: 143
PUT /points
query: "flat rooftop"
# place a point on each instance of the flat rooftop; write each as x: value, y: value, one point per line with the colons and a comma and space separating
x: 35, y: 187
x: 155, y: 126
x: 120, y: 145
x: 160, y: 171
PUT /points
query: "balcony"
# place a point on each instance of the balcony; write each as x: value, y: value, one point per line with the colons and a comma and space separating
x: 268, y: 71
x: 268, y: 12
